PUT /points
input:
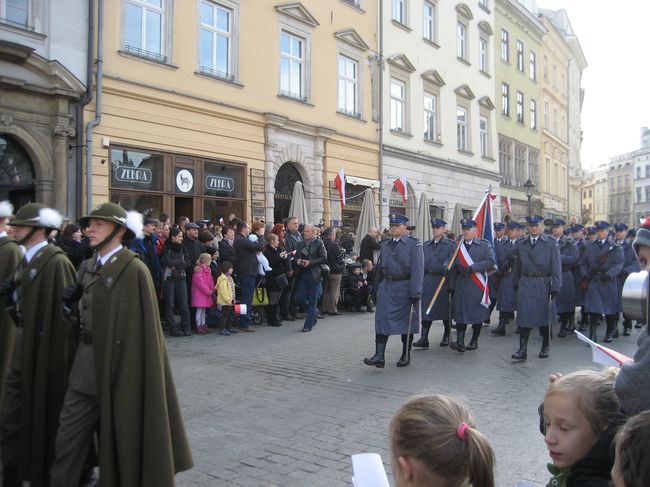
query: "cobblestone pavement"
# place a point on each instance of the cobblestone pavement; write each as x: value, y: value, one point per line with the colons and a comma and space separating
x: 284, y: 408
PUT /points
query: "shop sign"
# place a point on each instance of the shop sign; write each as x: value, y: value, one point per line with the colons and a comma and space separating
x: 219, y: 183
x: 184, y: 180
x: 138, y: 175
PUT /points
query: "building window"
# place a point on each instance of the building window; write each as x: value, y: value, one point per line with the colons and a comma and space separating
x: 638, y: 172
x: 638, y: 195
x: 461, y: 32
x: 143, y: 28
x: 484, y: 3
x: 555, y: 121
x: 461, y: 128
x: 348, y: 99
x: 647, y: 171
x: 546, y: 115
x: 505, y: 99
x: 292, y: 81
x: 397, y: 105
x: 533, y: 114
x: 215, y: 42
x: 545, y: 68
x: 15, y: 12
x: 399, y: 11
x: 647, y: 193
x: 483, y: 55
x: 429, y: 27
x: 505, y: 46
x: 430, y: 131
x: 533, y: 66
x: 483, y: 136
x: 520, y: 107
x: 520, y: 56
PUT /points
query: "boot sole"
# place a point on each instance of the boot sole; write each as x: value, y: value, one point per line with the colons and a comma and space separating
x: 519, y: 359
x: 379, y: 366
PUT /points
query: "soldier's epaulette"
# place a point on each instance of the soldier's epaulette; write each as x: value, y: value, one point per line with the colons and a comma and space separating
x: 414, y: 238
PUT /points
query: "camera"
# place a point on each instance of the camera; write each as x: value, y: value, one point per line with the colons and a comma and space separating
x: 635, y: 296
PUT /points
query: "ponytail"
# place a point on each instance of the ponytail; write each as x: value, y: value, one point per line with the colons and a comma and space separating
x: 481, y: 459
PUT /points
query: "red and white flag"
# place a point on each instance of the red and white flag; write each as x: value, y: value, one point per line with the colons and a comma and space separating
x: 479, y: 278
x: 339, y: 180
x: 507, y: 204
x: 401, y: 184
x: 603, y: 355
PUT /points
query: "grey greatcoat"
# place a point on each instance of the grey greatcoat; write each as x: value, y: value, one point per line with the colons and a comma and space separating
x: 436, y: 260
x: 601, y: 266
x: 538, y: 274
x: 565, y: 302
x: 467, y: 295
x: 399, y: 276
x: 506, y: 253
x: 577, y: 274
x: 630, y: 265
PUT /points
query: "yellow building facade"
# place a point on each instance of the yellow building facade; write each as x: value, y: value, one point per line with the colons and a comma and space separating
x: 220, y: 106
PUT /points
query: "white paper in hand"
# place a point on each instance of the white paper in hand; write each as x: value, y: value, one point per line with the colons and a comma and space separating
x: 368, y: 471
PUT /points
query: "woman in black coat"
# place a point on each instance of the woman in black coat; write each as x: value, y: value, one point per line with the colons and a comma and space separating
x: 226, y: 248
x: 275, y: 283
x: 175, y: 264
x: 75, y: 245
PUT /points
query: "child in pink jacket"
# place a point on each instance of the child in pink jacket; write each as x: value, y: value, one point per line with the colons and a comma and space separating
x: 202, y: 291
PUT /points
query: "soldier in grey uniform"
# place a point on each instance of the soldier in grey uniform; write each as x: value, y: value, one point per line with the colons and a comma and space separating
x: 578, y: 236
x: 398, y: 281
x: 537, y: 279
x: 468, y: 296
x: 506, y: 255
x: 437, y: 254
x: 601, y: 263
x: 493, y: 279
x: 630, y: 265
x: 565, y: 304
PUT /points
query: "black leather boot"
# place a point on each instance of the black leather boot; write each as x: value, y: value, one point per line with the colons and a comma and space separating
x: 476, y: 332
x: 445, y: 337
x: 563, y: 325
x: 544, y: 352
x: 610, y: 321
x: 271, y: 315
x: 377, y: 359
x: 459, y: 344
x: 423, y: 342
x: 405, y: 359
x: 571, y: 327
x: 615, y: 334
x: 501, y: 329
x: 593, y: 324
x: 582, y: 326
x: 522, y: 353
x: 627, y: 326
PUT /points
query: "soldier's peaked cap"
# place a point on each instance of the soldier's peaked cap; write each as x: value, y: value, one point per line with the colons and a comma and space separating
x: 619, y: 227
x: 577, y: 227
x: 602, y: 225
x: 499, y: 226
x: 534, y: 220
x: 467, y: 223
x: 37, y: 215
x: 131, y: 220
x: 398, y: 219
x: 514, y: 225
x: 437, y: 222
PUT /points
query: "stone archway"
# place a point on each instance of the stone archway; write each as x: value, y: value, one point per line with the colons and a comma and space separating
x: 16, y: 173
x: 285, y: 180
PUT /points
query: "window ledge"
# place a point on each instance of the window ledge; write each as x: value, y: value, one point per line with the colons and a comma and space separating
x: 433, y: 143
x: 294, y: 99
x: 486, y: 74
x: 464, y: 61
x: 505, y: 62
x: 519, y: 122
x: 356, y: 117
x: 488, y: 159
x: 399, y: 133
x: 466, y: 152
x: 484, y: 8
x: 22, y: 30
x: 146, y: 59
x: 405, y: 27
x: 354, y: 6
x: 219, y: 78
x: 431, y: 43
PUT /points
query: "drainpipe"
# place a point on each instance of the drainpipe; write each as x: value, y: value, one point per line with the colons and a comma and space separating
x: 381, y: 112
x: 98, y: 104
x: 568, y: 141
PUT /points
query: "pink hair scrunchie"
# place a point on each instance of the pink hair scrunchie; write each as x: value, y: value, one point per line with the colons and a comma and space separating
x: 460, y: 431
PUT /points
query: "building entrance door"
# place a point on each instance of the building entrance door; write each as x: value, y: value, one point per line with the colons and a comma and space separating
x: 183, y: 207
x: 285, y: 180
x: 16, y: 173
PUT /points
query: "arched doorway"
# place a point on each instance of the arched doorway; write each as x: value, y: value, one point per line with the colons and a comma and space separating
x: 16, y: 173
x: 285, y: 179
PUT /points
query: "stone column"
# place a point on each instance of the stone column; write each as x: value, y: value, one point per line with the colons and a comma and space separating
x: 61, y: 134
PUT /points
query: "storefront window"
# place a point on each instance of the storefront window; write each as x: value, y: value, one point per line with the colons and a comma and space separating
x: 147, y: 204
x: 215, y: 209
x: 136, y: 170
x: 223, y: 180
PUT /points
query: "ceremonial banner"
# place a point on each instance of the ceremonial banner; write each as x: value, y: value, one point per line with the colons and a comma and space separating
x: 401, y: 185
x: 339, y: 180
x: 479, y: 278
x: 484, y: 218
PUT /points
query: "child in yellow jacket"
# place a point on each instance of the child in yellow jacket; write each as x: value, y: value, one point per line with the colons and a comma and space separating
x: 225, y: 288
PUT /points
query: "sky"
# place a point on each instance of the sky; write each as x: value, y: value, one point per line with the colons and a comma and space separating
x: 614, y: 39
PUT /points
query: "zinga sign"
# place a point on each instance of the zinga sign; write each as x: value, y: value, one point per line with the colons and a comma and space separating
x: 219, y: 183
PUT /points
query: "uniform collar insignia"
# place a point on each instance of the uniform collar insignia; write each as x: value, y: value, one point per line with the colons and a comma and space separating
x: 32, y: 274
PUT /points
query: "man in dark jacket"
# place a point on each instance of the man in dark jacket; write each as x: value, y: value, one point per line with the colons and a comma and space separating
x: 310, y: 255
x: 369, y: 244
x: 145, y: 247
x: 246, y: 269
x: 336, y: 263
x: 291, y: 239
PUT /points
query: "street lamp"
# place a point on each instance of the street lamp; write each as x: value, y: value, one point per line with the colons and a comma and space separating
x: 529, y: 187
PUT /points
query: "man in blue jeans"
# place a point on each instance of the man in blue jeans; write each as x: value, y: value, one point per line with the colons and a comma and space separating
x: 246, y: 269
x: 310, y: 254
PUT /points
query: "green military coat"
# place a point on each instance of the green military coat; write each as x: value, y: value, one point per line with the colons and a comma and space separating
x: 10, y: 256
x: 142, y: 439
x: 46, y: 356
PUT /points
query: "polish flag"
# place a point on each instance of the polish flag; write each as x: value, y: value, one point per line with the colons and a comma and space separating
x: 507, y: 203
x: 603, y: 355
x: 400, y: 184
x: 339, y: 180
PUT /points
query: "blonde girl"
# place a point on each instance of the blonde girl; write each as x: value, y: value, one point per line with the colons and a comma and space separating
x: 581, y: 416
x: 202, y: 291
x: 434, y: 442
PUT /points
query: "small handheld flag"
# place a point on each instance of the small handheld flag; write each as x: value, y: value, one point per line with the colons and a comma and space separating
x: 603, y: 355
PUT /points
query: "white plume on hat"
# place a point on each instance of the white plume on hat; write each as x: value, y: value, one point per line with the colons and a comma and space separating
x: 6, y: 209
x: 134, y: 223
x: 50, y: 218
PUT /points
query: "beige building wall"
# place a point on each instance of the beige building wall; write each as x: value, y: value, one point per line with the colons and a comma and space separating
x: 554, y: 158
x: 170, y: 104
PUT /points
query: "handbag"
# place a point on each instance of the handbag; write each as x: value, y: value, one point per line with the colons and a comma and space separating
x: 324, y: 271
x: 260, y: 297
x: 282, y: 281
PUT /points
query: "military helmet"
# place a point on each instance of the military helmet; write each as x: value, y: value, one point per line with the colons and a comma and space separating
x: 131, y: 220
x: 37, y: 215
